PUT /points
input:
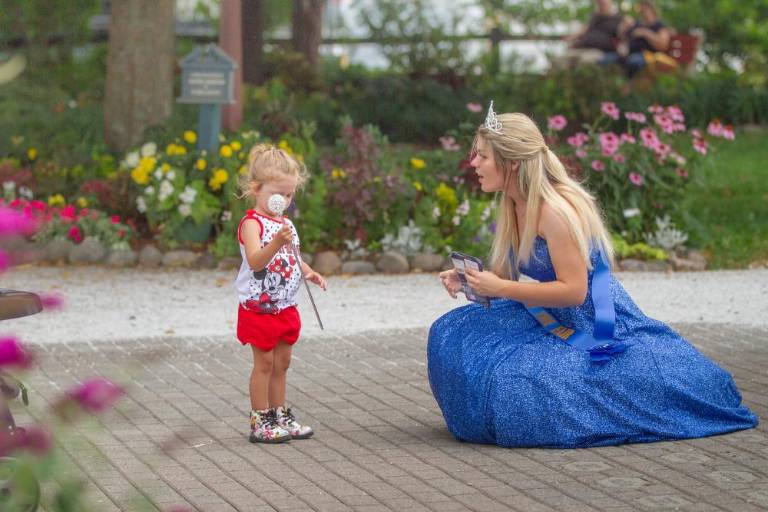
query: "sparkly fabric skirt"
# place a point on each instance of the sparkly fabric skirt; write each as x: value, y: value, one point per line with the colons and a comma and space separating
x: 500, y: 378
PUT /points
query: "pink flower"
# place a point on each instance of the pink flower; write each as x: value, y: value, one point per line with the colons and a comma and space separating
x: 68, y: 212
x: 74, y: 234
x: 696, y: 133
x: 665, y: 122
x: 609, y: 143
x: 474, y: 107
x: 681, y: 172
x: 610, y: 109
x: 449, y: 143
x: 96, y: 394
x: 636, y: 179
x: 598, y: 166
x: 656, y: 109
x: 715, y: 128
x: 676, y: 114
x: 580, y: 153
x: 33, y: 439
x: 557, y: 122
x: 619, y: 158
x: 728, y: 132
x: 637, y: 117
x: 51, y: 301
x: 15, y: 223
x: 115, y: 219
x: 13, y: 354
x: 649, y: 138
x: 577, y: 139
x: 700, y: 145
x: 627, y: 137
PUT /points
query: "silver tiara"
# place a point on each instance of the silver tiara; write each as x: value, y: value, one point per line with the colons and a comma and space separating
x: 491, y: 121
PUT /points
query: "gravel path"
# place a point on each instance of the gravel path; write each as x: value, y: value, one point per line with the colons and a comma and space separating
x: 109, y: 304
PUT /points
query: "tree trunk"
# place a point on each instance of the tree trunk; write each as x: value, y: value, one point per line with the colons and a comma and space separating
x: 230, y: 40
x: 253, y: 12
x: 307, y: 26
x: 140, y: 68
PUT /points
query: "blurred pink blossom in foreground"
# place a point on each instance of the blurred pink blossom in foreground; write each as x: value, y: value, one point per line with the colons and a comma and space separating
x: 13, y: 354
x: 96, y: 394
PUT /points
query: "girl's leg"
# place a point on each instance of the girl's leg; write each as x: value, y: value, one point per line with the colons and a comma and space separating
x: 263, y: 364
x: 282, y: 360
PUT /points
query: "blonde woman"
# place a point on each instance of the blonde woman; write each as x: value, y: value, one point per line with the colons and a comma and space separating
x: 570, y: 360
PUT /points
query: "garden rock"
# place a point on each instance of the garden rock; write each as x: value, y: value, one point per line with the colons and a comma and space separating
x: 91, y: 250
x: 694, y: 261
x: 327, y: 263
x: 150, y: 256
x: 57, y: 250
x: 180, y: 259
x: 228, y: 263
x: 122, y: 258
x: 206, y: 260
x: 358, y: 267
x: 427, y: 262
x: 391, y: 262
x: 307, y: 258
x: 631, y: 265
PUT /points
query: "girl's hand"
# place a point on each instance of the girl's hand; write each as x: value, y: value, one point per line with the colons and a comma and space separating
x: 314, y: 277
x: 284, y: 236
x: 450, y: 280
x: 485, y: 283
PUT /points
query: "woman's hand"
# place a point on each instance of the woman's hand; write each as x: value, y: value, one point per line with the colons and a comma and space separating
x: 314, y: 277
x: 450, y: 280
x: 485, y: 283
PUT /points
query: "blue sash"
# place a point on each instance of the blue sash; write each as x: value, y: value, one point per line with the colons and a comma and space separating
x: 600, y: 344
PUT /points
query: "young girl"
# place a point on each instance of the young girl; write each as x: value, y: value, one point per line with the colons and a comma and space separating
x: 570, y: 360
x: 269, y: 278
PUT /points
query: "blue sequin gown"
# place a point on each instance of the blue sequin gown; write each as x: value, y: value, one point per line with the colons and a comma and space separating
x: 499, y: 377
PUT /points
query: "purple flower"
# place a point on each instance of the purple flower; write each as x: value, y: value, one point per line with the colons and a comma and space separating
x: 13, y: 354
x: 96, y: 394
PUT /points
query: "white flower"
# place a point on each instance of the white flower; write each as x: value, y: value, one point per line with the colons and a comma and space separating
x: 166, y: 189
x: 141, y: 205
x: 486, y: 214
x: 72, y: 104
x: 158, y: 174
x: 226, y: 216
x: 25, y: 192
x: 456, y: 220
x: 149, y: 149
x: 188, y: 196
x: 185, y: 210
x: 9, y: 186
x: 463, y: 208
x: 436, y: 212
x: 149, y: 191
x: 631, y: 212
x: 170, y: 175
x: 132, y: 159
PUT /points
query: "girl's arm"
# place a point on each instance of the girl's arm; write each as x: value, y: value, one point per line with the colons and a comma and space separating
x: 659, y: 40
x: 258, y: 257
x: 570, y: 285
x: 312, y: 276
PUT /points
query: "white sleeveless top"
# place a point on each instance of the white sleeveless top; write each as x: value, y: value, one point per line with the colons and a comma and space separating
x: 273, y: 288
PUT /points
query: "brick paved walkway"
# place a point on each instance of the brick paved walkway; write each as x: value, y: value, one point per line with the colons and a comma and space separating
x: 178, y: 438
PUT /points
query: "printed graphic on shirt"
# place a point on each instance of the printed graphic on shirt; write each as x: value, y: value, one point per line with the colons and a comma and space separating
x: 272, y: 283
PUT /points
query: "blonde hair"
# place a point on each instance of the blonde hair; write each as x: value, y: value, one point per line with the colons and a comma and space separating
x: 541, y: 179
x: 266, y: 163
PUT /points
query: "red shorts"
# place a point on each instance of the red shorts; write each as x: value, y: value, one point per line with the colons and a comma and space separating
x: 264, y: 331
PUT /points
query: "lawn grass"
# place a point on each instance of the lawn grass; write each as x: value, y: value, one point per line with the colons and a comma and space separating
x: 731, y: 202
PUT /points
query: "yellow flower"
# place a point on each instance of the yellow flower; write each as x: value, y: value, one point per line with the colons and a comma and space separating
x: 56, y: 200
x: 17, y: 139
x: 201, y: 164
x: 447, y: 196
x: 236, y: 145
x: 82, y: 202
x: 165, y: 167
x: 220, y: 176
x: 283, y: 144
x: 225, y: 151
x: 337, y: 173
x: 175, y: 149
x: 243, y: 169
x: 140, y: 175
x: 417, y: 186
x: 32, y: 153
x: 418, y: 163
x: 190, y: 137
x: 148, y: 163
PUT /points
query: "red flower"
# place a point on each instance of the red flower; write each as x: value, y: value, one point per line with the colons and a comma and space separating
x: 75, y: 235
x: 68, y: 212
x: 13, y: 354
x: 115, y: 219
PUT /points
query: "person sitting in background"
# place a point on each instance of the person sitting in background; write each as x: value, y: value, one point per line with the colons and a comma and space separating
x: 599, y: 36
x: 644, y: 39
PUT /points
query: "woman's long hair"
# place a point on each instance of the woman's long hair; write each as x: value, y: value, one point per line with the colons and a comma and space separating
x: 541, y: 178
